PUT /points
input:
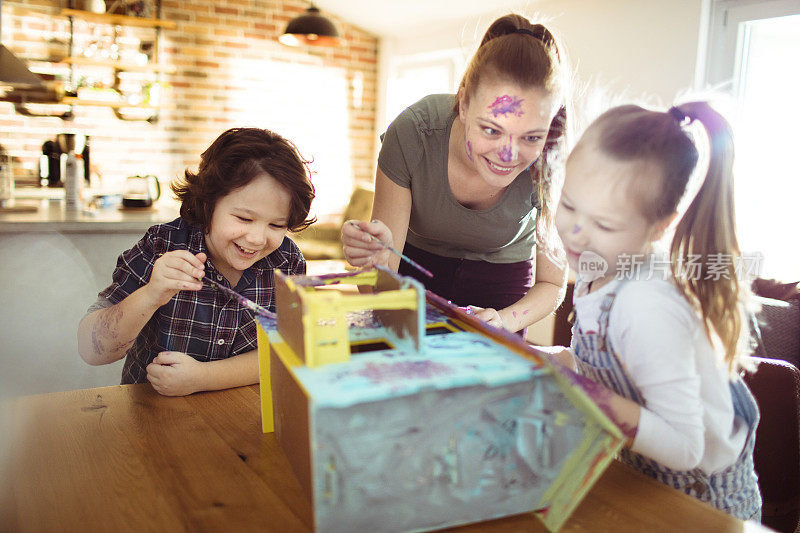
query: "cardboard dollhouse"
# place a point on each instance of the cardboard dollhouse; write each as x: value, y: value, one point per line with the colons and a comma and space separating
x: 399, y: 412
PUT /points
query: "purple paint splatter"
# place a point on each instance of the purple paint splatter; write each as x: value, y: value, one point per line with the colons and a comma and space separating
x: 402, y: 370
x: 505, y: 155
x: 601, y: 397
x: 469, y: 150
x: 506, y: 104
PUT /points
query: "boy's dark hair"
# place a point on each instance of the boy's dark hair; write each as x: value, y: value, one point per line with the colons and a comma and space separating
x: 233, y: 160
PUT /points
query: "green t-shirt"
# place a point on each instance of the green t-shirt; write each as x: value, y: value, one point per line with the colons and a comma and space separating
x: 414, y: 156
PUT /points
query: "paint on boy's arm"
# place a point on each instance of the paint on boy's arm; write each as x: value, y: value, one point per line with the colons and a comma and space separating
x: 506, y: 104
x: 105, y: 331
x: 602, y: 398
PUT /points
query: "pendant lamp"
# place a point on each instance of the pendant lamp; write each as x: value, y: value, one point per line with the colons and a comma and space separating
x: 310, y: 29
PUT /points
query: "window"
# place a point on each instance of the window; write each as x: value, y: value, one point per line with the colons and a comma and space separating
x: 413, y: 77
x: 753, y: 51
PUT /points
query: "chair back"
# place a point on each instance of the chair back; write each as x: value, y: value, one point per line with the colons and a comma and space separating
x: 776, y: 387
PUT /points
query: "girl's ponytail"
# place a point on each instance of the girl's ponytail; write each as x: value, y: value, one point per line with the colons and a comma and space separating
x: 707, y: 233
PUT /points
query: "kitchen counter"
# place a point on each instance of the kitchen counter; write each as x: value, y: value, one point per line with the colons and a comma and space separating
x: 53, y: 264
x: 52, y: 216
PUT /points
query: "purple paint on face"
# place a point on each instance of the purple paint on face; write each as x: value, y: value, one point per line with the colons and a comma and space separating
x: 506, y: 155
x: 506, y: 104
x: 469, y: 150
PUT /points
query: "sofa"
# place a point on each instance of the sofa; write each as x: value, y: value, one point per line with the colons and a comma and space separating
x: 323, y: 240
x: 776, y: 331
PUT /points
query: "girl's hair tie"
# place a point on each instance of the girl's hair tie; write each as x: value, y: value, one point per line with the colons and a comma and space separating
x: 679, y: 115
x: 527, y: 32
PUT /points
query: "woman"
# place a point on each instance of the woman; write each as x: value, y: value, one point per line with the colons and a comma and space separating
x: 465, y: 182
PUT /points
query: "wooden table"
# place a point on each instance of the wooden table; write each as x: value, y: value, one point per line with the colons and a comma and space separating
x: 126, y: 458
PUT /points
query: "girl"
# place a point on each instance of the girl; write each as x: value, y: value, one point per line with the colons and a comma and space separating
x: 174, y: 331
x: 464, y: 181
x: 667, y: 344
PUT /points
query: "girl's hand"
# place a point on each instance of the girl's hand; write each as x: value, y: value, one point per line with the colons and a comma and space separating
x: 362, y: 250
x: 175, y: 374
x: 561, y: 355
x: 173, y: 272
x: 488, y: 315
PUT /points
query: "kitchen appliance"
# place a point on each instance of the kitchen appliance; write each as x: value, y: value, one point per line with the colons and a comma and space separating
x: 71, y: 144
x: 50, y: 162
x: 6, y: 179
x: 140, y: 191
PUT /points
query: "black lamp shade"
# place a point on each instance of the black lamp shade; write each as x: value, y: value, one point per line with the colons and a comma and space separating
x: 310, y: 28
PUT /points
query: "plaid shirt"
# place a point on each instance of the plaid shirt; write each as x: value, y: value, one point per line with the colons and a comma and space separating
x: 206, y: 324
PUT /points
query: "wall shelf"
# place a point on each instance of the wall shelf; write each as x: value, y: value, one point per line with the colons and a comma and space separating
x: 72, y: 100
x: 119, y: 20
x: 54, y: 96
x: 118, y: 65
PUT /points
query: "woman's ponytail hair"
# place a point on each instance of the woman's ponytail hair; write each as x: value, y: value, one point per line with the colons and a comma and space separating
x: 528, y: 55
x: 704, y: 252
x: 707, y: 231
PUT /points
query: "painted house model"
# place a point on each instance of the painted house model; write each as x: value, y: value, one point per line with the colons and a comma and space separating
x: 400, y: 412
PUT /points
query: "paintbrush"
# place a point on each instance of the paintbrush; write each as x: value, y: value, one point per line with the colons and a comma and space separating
x: 403, y: 257
x: 250, y: 304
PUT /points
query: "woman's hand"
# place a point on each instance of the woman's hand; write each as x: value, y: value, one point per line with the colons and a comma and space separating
x: 362, y: 250
x: 173, y: 272
x: 175, y: 374
x: 488, y: 315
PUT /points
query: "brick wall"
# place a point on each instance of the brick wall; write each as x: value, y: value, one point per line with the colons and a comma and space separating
x: 228, y: 69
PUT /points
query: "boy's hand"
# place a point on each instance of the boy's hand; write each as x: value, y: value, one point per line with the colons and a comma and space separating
x: 175, y: 374
x: 173, y: 272
x: 362, y: 250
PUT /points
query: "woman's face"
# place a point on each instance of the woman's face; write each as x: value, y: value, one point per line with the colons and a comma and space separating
x: 505, y: 128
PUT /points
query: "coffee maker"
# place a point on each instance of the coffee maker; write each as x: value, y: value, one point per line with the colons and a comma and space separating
x: 50, y: 162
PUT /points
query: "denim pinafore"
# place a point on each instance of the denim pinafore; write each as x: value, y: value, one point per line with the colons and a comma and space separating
x: 734, y: 489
